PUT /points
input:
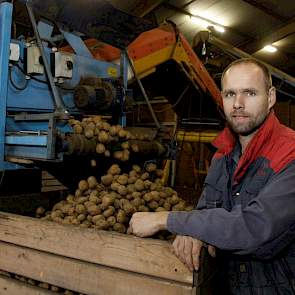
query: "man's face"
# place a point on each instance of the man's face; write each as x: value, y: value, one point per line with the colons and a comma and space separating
x: 246, y: 102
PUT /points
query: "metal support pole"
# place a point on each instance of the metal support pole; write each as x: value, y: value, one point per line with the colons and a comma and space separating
x: 5, y: 35
x: 60, y: 108
x: 143, y: 91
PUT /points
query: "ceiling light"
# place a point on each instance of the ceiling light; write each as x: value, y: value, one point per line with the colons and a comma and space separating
x: 219, y: 29
x: 270, y: 48
x: 205, y: 24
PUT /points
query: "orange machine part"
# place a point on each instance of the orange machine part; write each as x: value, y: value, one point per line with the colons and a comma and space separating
x: 149, y: 42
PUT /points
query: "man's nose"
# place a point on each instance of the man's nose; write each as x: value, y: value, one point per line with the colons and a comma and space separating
x: 238, y: 102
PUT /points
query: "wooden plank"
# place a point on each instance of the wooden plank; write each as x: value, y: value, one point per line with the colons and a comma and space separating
x: 83, y: 277
x: 145, y: 256
x: 52, y: 188
x: 49, y: 182
x: 13, y: 287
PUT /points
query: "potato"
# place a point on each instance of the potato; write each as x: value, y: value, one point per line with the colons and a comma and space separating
x: 122, y: 190
x: 117, y: 204
x: 107, y: 153
x: 167, y: 205
x: 125, y: 145
x: 122, y: 133
x: 153, y: 205
x: 139, y: 185
x: 136, y: 168
x: 147, y: 184
x: 174, y: 200
x: 111, y: 220
x: 56, y: 214
x: 100, y: 148
x: 96, y: 119
x: 94, y: 199
x: 131, y: 188
x: 81, y: 217
x: 93, y: 210
x: 160, y: 209
x: 80, y: 209
x: 136, y: 195
x: 143, y: 208
x: 83, y: 185
x: 107, y: 179
x: 78, y: 129
x: 155, y: 195
x: 65, y: 208
x: 132, y: 179
x: 148, y: 197
x: 129, y: 208
x: 136, y: 202
x: 179, y: 207
x: 125, y: 155
x: 101, y: 224
x: 40, y: 211
x: 106, y: 126
x: 93, y: 163
x: 115, y: 186
x: 118, y: 155
x: 92, y: 182
x: 122, y: 179
x: 109, y: 212
x: 81, y: 200
x: 133, y: 173
x: 78, y: 193
x: 107, y: 201
x: 145, y: 176
x: 103, y: 137
x: 96, y: 218
x: 151, y: 167
x: 119, y: 227
x: 113, y: 130
x: 121, y: 216
x: 70, y: 199
x: 114, y: 170
x: 88, y: 132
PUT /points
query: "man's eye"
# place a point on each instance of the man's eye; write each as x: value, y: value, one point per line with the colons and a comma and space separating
x: 229, y: 94
x: 250, y: 93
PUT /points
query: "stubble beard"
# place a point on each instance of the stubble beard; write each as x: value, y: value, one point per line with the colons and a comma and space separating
x: 248, y: 128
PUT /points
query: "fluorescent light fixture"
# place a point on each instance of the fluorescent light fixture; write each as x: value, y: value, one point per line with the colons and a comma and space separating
x: 205, y: 24
x: 270, y: 48
x: 219, y: 29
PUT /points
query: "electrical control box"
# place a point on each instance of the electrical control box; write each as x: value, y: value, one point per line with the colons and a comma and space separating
x: 14, y: 53
x: 62, y: 65
x: 34, y: 62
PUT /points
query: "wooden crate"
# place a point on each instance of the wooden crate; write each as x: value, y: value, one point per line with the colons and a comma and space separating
x: 87, y: 260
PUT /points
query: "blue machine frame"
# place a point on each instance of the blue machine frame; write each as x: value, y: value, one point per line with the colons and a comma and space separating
x: 28, y: 123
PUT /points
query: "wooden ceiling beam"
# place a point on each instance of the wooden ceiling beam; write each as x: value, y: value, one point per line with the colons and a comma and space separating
x: 138, y: 8
x: 283, y: 32
x: 266, y: 10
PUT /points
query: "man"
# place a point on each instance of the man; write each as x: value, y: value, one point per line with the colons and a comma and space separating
x: 247, y: 208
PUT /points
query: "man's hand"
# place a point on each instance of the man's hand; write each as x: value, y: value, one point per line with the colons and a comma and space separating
x: 145, y: 224
x: 188, y: 250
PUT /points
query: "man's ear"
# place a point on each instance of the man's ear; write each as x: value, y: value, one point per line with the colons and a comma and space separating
x: 272, y: 98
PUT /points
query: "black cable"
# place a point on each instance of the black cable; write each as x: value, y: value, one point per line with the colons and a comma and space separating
x: 13, y: 83
x: 31, y: 76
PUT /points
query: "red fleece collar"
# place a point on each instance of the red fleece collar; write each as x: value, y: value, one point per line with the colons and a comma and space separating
x: 226, y: 141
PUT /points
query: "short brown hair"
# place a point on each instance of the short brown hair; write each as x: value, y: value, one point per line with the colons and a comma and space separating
x: 249, y: 60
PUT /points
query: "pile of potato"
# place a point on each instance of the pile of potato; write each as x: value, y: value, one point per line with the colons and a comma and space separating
x: 36, y: 283
x: 110, y: 203
x: 112, y: 140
